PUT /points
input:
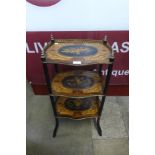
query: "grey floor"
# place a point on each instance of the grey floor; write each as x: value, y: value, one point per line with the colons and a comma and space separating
x: 76, y: 137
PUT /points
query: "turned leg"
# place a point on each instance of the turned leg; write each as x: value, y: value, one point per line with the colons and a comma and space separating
x: 99, y: 130
x: 97, y: 125
x: 56, y: 127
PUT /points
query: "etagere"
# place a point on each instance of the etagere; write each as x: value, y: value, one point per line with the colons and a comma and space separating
x: 76, y: 94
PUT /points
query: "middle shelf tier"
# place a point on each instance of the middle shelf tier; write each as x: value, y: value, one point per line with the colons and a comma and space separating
x: 77, y: 84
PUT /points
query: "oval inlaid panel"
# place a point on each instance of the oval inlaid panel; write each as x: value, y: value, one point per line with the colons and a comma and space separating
x: 78, y: 81
x: 77, y: 50
x: 78, y: 104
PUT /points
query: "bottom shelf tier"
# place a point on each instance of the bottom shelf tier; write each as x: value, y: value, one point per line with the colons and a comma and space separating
x: 77, y: 108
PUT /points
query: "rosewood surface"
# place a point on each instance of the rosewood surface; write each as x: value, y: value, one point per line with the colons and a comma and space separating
x: 77, y: 84
x: 77, y: 108
x: 78, y: 52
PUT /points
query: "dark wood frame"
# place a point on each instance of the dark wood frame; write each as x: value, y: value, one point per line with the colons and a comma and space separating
x: 53, y: 99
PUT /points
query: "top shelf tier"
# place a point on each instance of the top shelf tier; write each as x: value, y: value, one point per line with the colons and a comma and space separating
x: 78, y: 52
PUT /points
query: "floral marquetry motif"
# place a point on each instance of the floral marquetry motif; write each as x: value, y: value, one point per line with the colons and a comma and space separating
x: 77, y: 50
x: 77, y: 83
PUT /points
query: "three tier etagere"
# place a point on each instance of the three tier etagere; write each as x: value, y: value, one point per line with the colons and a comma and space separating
x: 77, y: 94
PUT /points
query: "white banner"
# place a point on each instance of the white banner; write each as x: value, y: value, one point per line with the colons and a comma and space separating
x: 78, y: 15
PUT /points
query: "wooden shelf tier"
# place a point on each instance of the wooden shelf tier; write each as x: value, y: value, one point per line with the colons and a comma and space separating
x: 78, y: 52
x: 77, y: 84
x: 77, y: 108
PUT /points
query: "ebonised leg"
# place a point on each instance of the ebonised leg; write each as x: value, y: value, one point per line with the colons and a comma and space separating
x: 56, y: 127
x: 100, y: 69
x: 97, y: 126
x: 99, y: 130
x: 53, y: 102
